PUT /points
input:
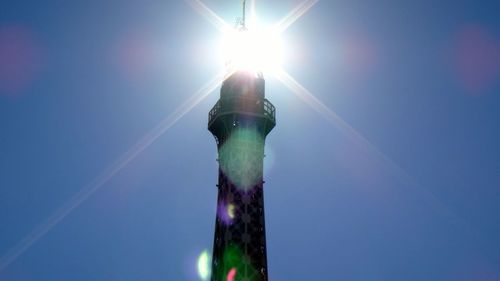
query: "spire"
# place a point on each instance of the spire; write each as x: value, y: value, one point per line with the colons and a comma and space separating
x: 243, y: 21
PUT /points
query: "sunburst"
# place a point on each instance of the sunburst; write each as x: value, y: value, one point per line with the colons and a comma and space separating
x: 308, y: 97
x: 251, y: 46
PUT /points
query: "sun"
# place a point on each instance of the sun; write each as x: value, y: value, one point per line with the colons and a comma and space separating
x: 253, y: 49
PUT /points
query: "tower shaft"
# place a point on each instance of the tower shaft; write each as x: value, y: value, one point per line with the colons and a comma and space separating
x: 240, y: 122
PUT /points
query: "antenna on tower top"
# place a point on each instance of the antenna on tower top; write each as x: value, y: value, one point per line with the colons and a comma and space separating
x: 243, y: 22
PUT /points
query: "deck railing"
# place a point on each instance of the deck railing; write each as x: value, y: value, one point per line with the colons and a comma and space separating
x: 241, y: 105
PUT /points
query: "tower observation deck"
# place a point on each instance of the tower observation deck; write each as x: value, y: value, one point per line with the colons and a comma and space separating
x: 240, y: 122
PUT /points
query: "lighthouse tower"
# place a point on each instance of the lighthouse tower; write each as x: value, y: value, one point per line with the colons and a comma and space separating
x: 240, y: 122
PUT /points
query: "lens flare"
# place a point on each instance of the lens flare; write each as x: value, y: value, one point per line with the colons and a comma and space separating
x: 241, y: 158
x: 20, y: 60
x: 476, y: 59
x: 231, y: 274
x: 204, y: 265
x: 230, y: 211
x: 226, y: 212
x: 295, y: 14
x: 129, y: 156
x: 367, y: 147
x: 208, y: 14
x: 235, y: 262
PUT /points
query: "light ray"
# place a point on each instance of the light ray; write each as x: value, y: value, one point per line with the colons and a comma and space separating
x: 209, y: 15
x: 369, y: 149
x: 114, y: 169
x: 281, y: 26
x: 295, y: 14
x: 318, y: 106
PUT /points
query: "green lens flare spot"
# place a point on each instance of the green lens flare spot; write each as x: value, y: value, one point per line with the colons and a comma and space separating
x: 204, y: 265
x: 241, y: 158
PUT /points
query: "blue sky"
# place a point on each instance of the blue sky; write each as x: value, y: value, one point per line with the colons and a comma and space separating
x: 82, y: 81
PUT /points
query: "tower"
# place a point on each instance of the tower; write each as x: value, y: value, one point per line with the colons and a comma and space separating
x: 240, y: 122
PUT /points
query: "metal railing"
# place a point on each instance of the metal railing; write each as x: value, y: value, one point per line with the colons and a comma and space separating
x: 244, y: 106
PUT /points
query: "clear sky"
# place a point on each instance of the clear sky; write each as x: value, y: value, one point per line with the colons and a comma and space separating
x: 81, y: 82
